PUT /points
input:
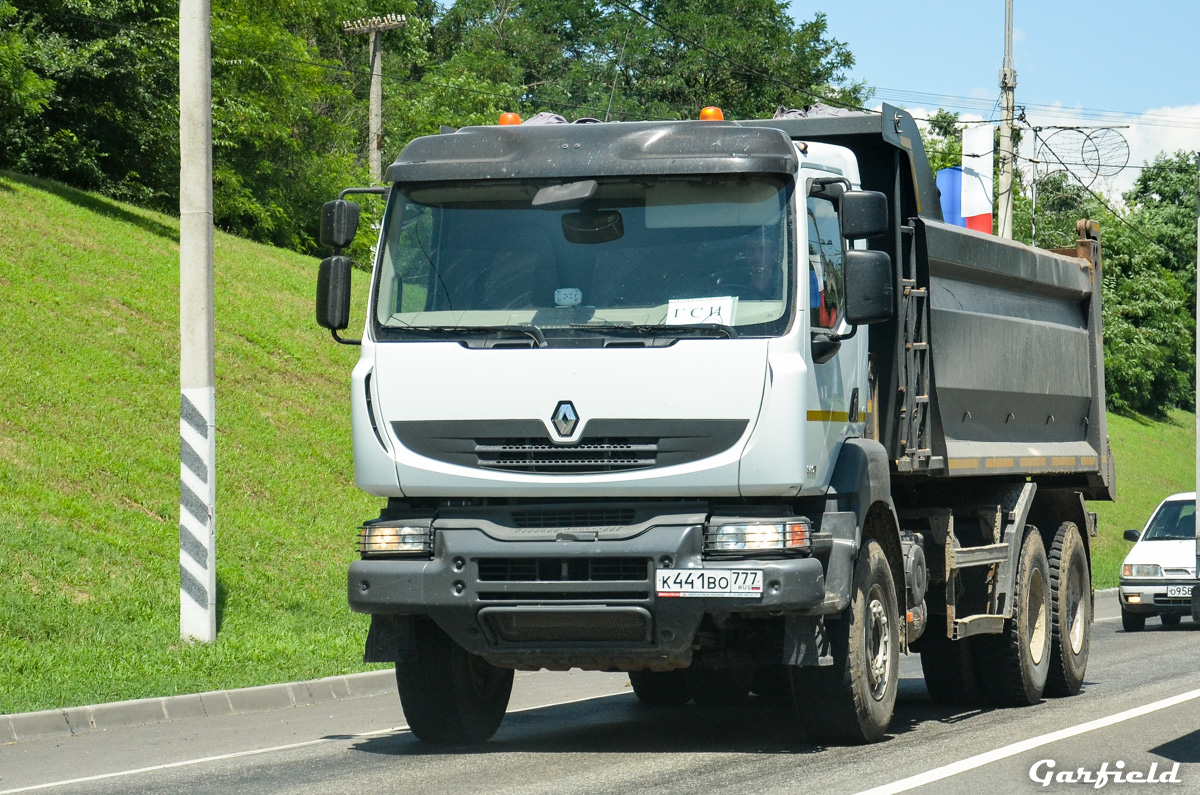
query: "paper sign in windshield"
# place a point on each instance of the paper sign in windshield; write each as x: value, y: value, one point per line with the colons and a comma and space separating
x: 688, y: 311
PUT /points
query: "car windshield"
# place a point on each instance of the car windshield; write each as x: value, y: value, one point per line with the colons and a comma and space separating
x: 654, y: 255
x: 1174, y: 521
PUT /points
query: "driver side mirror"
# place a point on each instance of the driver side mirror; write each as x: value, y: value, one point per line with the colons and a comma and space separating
x: 864, y: 214
x: 339, y: 223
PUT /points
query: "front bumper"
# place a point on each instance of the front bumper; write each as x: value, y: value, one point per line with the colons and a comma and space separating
x: 1150, y: 597
x: 575, y: 603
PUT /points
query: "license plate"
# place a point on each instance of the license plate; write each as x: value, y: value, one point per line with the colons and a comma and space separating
x: 1179, y: 591
x: 709, y: 582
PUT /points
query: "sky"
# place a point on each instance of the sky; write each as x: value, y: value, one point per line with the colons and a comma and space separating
x: 1101, y: 63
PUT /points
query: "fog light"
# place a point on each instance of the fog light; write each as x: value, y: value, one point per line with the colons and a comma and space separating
x: 394, y: 539
x: 1134, y: 598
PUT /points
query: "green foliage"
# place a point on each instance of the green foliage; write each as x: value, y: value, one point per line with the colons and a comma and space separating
x: 1150, y: 261
x: 1061, y: 202
x: 102, y: 87
x: 279, y: 147
x: 601, y: 60
x: 26, y: 93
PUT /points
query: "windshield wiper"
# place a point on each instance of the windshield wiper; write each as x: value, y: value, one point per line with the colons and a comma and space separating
x: 533, y: 332
x: 658, y: 328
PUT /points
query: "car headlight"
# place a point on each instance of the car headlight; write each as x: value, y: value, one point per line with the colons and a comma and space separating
x: 741, y: 537
x: 1141, y: 570
x: 394, y: 538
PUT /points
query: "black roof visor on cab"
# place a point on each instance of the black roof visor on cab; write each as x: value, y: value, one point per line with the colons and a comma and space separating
x: 563, y: 151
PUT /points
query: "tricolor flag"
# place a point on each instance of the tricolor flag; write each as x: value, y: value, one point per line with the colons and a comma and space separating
x: 967, y: 190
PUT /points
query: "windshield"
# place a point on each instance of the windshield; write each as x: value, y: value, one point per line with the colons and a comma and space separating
x: 570, y: 259
x: 1175, y: 521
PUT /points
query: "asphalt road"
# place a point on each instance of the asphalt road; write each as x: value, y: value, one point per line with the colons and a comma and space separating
x: 578, y: 732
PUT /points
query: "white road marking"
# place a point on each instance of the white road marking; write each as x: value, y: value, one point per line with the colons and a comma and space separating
x: 937, y: 774
x: 257, y: 751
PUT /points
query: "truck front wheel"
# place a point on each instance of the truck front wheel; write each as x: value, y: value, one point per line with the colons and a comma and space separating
x: 851, y: 702
x: 1071, y: 609
x: 448, y: 694
x: 949, y: 669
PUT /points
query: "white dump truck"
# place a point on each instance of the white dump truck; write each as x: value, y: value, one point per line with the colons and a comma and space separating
x: 724, y: 405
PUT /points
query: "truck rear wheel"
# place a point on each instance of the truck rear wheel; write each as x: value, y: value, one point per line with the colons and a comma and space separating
x: 851, y: 702
x: 1071, y: 612
x: 719, y: 687
x: 1014, y: 665
x: 770, y: 681
x: 448, y: 694
x: 949, y: 669
x: 660, y: 688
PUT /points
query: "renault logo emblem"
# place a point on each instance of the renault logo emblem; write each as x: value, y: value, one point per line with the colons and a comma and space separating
x: 564, y: 418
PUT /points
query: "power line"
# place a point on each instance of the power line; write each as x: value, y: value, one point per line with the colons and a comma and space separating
x: 981, y: 104
x: 1104, y: 202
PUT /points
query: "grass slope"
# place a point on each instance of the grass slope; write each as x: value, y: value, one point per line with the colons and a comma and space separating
x: 89, y: 463
x: 1153, y: 460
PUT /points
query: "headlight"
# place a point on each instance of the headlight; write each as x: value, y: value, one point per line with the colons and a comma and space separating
x: 394, y: 539
x: 1141, y: 570
x: 758, y: 537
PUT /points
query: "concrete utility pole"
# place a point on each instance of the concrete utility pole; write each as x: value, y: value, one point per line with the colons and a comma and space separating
x: 197, y: 376
x: 374, y: 26
x: 1008, y: 82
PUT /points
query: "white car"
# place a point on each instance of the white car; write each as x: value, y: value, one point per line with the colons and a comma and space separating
x: 1159, y: 573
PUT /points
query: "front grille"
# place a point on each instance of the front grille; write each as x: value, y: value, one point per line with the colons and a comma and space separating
x: 574, y: 517
x: 564, y: 569
x: 1172, y: 601
x: 610, y: 625
x: 536, y: 456
x: 604, y: 445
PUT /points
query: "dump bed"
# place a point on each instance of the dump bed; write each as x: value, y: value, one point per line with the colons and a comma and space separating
x: 993, y: 366
x: 1017, y: 357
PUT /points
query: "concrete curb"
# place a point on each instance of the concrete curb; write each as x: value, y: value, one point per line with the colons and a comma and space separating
x: 142, y: 712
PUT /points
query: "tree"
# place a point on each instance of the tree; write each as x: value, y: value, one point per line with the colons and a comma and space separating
x: 103, y: 88
x: 1060, y: 203
x: 654, y: 59
x: 25, y: 94
x: 943, y: 141
x: 1149, y: 310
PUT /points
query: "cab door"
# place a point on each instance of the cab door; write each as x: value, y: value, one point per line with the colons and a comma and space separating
x: 837, y: 386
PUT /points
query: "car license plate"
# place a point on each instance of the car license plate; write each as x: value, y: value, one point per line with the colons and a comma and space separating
x: 709, y: 582
x: 1181, y: 591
